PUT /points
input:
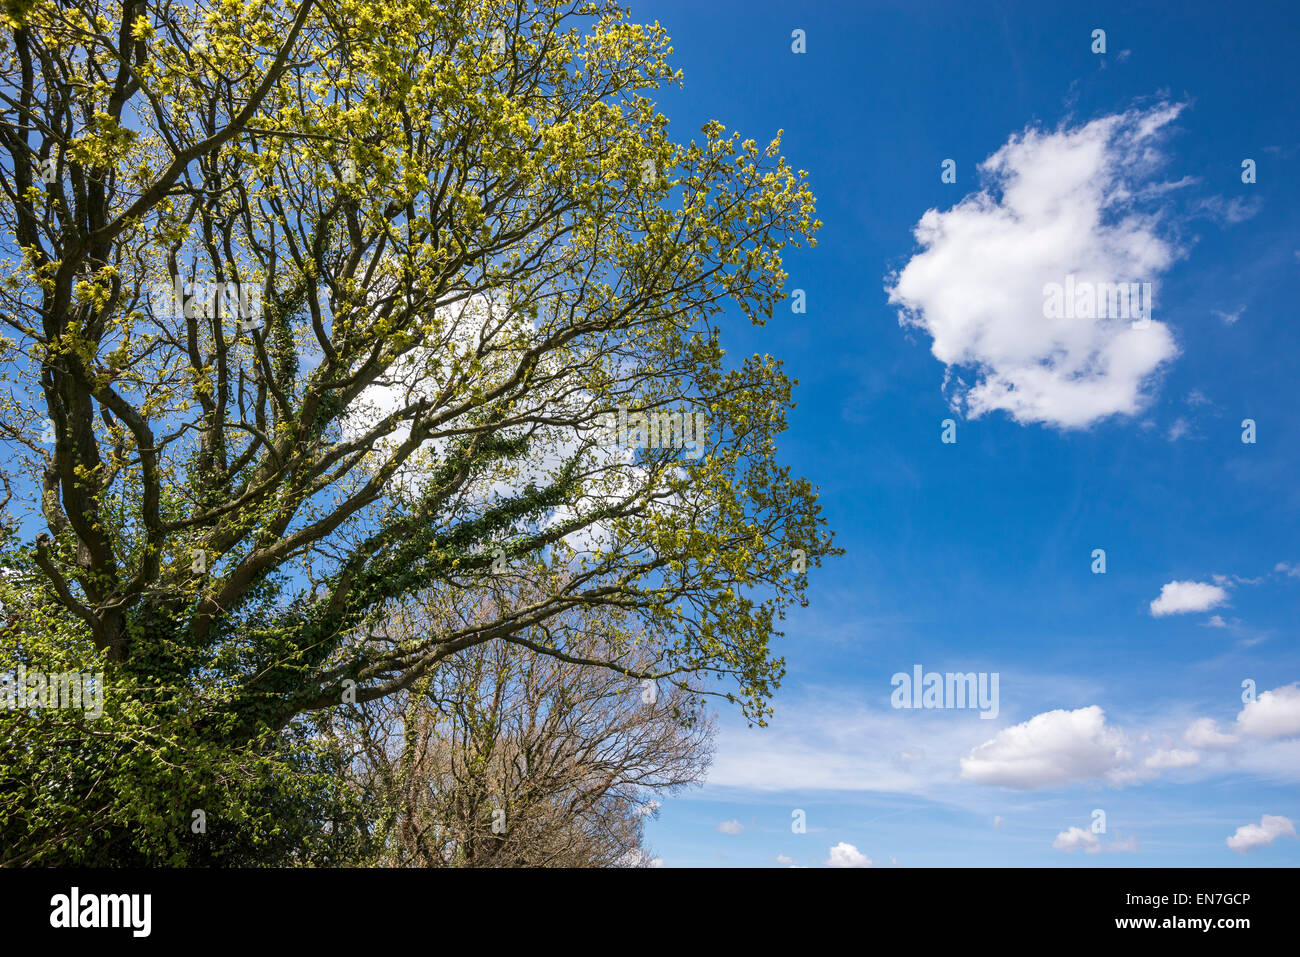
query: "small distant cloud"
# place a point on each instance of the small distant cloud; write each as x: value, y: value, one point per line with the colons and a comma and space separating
x: 1291, y: 571
x: 1274, y: 714
x: 1180, y: 597
x: 997, y: 822
x: 1180, y: 428
x: 1216, y: 621
x: 1204, y: 733
x: 1075, y: 839
x: 846, y: 855
x: 1252, y: 836
x: 1226, y: 212
x: 1227, y: 580
x: 731, y: 827
x: 1229, y: 318
x: 785, y: 861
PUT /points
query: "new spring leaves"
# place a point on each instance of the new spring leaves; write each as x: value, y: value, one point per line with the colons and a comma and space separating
x: 429, y: 303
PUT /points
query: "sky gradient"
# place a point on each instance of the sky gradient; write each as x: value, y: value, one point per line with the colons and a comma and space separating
x: 924, y: 303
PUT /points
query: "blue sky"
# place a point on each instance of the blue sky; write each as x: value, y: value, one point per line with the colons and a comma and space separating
x: 976, y: 556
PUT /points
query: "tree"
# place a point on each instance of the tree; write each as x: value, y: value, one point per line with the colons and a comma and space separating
x: 506, y: 757
x: 314, y: 306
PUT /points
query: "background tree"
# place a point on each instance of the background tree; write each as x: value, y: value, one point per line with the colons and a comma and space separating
x: 459, y: 236
x: 506, y: 757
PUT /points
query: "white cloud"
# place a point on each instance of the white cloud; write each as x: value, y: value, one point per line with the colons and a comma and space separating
x: 834, y: 742
x: 730, y: 827
x: 483, y: 324
x: 1227, y: 212
x: 1177, y: 598
x: 846, y: 855
x: 1274, y: 714
x: 1216, y: 621
x: 1055, y: 204
x: 997, y: 822
x: 1049, y: 750
x: 1076, y: 838
x: 785, y: 861
x: 831, y: 741
x: 1269, y: 829
x: 1175, y: 758
x: 1204, y: 733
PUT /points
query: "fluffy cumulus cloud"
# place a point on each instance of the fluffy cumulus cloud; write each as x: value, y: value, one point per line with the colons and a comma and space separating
x: 1251, y: 836
x: 1274, y: 714
x: 1050, y: 750
x: 846, y: 855
x: 1076, y: 839
x: 731, y: 827
x: 1058, y: 748
x: 1079, y: 201
x: 1178, y: 598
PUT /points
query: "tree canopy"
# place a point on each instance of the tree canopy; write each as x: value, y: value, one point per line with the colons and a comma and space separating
x: 312, y: 307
